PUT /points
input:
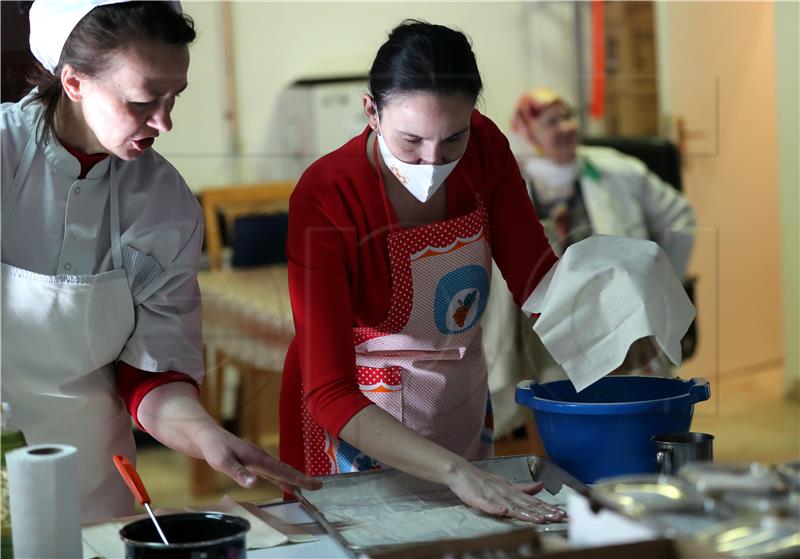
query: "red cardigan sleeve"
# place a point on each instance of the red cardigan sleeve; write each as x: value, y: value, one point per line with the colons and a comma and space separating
x: 319, y: 288
x: 134, y: 384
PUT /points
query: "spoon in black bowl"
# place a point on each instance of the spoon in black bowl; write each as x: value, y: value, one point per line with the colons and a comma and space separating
x: 134, y: 483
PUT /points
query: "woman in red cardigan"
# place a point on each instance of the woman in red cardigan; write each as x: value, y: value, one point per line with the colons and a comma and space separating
x: 391, y: 239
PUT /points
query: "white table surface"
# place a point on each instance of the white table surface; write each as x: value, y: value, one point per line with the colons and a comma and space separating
x: 293, y: 513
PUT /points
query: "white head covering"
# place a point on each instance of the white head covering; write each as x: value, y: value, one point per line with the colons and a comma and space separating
x: 52, y: 21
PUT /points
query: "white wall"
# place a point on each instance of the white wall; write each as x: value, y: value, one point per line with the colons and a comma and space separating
x: 518, y: 45
x: 787, y: 62
x: 551, y: 46
x: 719, y: 73
x: 198, y: 143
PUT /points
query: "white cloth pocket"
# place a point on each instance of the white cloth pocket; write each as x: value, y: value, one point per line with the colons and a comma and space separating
x: 604, y: 294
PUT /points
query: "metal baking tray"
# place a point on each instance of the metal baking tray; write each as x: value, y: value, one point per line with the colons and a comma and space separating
x: 370, y: 513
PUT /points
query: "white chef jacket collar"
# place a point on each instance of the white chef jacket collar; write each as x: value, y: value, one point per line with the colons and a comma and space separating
x: 55, y: 153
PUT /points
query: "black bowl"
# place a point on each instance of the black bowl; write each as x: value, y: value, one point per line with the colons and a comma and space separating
x: 210, y: 535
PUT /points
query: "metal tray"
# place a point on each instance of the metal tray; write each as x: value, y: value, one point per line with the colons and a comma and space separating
x: 370, y: 513
x: 638, y: 495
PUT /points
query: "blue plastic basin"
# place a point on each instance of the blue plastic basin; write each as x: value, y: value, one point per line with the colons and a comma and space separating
x: 605, y: 429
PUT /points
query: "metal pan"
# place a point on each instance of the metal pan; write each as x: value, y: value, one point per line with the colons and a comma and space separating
x: 344, y: 497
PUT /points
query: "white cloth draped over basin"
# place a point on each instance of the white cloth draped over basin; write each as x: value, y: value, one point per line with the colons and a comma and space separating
x: 604, y: 294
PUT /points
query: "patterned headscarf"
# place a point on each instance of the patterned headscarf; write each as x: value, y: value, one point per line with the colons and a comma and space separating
x: 529, y: 106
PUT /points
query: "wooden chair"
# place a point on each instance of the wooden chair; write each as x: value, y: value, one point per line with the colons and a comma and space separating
x: 258, y: 391
x: 235, y: 201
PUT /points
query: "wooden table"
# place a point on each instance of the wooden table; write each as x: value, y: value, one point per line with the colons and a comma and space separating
x: 247, y: 323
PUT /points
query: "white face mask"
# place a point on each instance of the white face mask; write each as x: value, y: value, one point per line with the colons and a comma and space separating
x: 552, y: 181
x: 420, y: 180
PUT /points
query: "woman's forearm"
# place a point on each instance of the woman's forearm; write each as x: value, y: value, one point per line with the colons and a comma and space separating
x: 380, y: 436
x: 173, y: 415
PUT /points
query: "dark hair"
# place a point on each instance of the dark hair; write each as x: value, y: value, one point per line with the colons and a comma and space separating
x: 424, y: 57
x: 98, y: 35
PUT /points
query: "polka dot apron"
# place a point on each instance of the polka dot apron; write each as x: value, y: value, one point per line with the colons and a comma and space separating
x: 424, y: 363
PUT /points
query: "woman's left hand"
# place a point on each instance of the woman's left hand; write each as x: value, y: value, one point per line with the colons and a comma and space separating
x: 639, y: 356
x: 496, y: 495
x: 244, y: 461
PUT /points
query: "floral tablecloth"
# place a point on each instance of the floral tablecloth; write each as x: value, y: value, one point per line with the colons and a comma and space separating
x: 247, y: 314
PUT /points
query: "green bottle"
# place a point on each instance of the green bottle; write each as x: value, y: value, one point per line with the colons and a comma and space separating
x: 11, y: 439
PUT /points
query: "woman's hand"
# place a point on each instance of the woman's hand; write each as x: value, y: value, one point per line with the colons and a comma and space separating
x: 371, y: 428
x: 243, y: 461
x: 495, y: 495
x: 639, y: 356
x: 173, y: 414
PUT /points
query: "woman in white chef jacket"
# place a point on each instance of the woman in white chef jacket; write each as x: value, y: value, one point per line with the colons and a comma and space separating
x: 100, y: 244
x: 578, y: 191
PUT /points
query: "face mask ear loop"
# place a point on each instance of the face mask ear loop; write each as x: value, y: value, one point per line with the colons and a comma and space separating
x: 391, y: 217
x: 377, y: 116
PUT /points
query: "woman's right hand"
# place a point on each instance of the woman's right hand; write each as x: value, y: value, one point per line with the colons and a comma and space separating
x: 244, y: 461
x: 173, y: 414
x: 639, y: 356
x: 495, y: 495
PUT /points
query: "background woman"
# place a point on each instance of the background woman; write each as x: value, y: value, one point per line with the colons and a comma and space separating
x: 578, y: 191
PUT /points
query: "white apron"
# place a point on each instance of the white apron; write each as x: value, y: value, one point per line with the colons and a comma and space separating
x: 424, y: 363
x: 60, y: 338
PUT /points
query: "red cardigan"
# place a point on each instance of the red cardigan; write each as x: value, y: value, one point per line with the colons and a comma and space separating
x: 339, y: 273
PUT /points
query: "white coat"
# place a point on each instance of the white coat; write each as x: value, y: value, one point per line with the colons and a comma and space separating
x: 95, y: 270
x: 622, y: 197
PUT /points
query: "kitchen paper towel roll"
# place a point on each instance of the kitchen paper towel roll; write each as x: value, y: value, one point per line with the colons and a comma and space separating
x: 44, y: 502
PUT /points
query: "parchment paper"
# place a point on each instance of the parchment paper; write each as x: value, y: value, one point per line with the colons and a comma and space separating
x: 388, y: 507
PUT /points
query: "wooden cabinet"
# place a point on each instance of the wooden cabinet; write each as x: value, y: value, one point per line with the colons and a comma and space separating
x: 631, y: 96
